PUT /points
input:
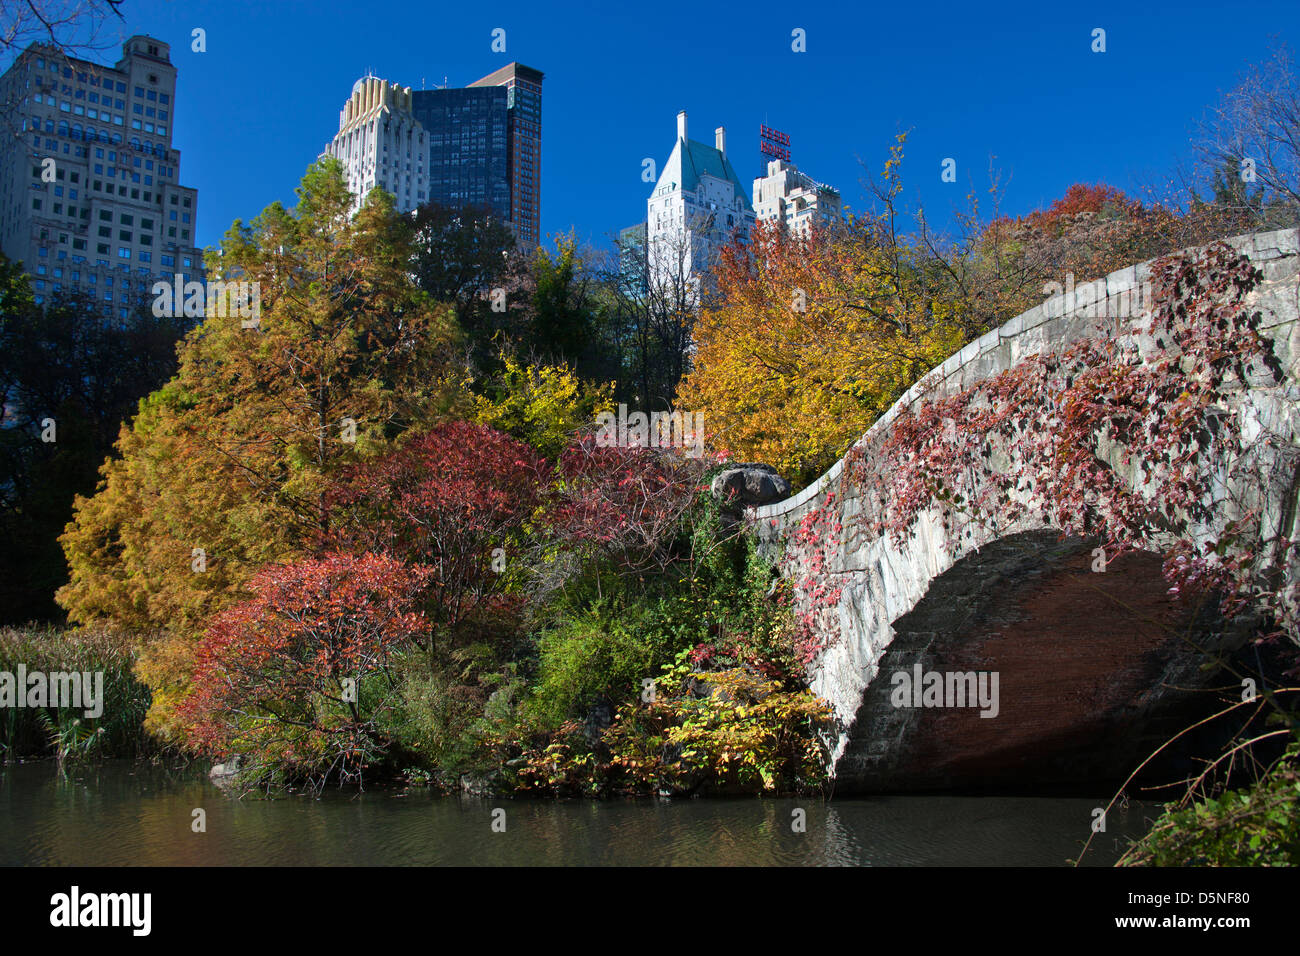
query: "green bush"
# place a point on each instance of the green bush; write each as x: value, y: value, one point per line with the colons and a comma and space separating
x: 602, y: 653
x: 429, y: 718
x: 715, y: 600
x: 1257, y: 826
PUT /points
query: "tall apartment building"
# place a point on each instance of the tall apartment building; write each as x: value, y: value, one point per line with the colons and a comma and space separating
x: 523, y: 87
x: 480, y: 145
x: 794, y: 200
x: 108, y: 215
x: 698, y: 206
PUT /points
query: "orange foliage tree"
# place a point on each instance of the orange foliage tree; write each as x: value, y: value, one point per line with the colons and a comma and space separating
x: 810, y: 339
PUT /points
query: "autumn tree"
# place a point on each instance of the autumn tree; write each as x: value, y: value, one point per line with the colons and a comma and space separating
x: 1095, y: 229
x: 809, y: 340
x: 294, y: 679
x: 456, y: 499
x: 225, y: 468
x: 544, y: 406
x: 624, y: 505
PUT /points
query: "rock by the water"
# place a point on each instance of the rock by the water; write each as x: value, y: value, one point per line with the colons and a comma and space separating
x: 223, y: 774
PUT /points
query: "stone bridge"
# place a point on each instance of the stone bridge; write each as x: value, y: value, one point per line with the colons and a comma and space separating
x: 1094, y: 668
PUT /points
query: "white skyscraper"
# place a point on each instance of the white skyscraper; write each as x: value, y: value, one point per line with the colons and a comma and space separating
x: 380, y: 143
x: 698, y: 206
x: 794, y: 200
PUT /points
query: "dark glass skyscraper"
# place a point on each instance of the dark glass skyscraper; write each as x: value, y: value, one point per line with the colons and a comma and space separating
x: 468, y: 146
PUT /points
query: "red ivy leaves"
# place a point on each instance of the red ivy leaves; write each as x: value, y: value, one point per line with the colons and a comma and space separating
x: 1035, y: 439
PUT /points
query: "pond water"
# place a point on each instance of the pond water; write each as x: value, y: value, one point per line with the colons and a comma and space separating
x: 124, y: 814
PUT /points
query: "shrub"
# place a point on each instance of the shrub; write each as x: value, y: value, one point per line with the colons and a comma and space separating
x: 448, y: 499
x: 1256, y: 826
x: 295, y: 678
x: 720, y: 730
x: 598, y: 655
x: 431, y: 715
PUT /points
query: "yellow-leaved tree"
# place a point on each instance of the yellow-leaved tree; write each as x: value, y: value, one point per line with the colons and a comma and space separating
x: 543, y: 405
x: 810, y: 339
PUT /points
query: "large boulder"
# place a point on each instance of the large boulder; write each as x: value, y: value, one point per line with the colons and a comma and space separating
x: 746, y: 485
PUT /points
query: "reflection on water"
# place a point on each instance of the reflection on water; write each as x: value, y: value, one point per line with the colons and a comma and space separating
x: 121, y: 814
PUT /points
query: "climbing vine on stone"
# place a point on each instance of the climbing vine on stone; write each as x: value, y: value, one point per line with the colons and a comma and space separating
x: 808, y: 562
x: 1131, y: 438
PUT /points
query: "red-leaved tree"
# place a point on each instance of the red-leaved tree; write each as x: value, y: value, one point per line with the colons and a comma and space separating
x: 295, y: 678
x: 625, y: 504
x: 457, y: 499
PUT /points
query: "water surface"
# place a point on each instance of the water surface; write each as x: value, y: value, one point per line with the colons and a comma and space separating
x: 123, y: 814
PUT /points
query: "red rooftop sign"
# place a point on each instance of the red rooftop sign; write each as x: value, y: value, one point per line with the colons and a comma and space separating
x: 774, y: 143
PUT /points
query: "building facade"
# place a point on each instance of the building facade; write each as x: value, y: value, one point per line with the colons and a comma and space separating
x: 381, y: 144
x: 523, y: 86
x: 632, y: 260
x: 476, y: 146
x: 468, y: 137
x: 796, y: 202
x: 90, y: 193
x: 698, y: 206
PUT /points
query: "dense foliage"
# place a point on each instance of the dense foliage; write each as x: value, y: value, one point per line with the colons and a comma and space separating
x: 1254, y: 826
x: 456, y: 498
x: 292, y: 679
x: 226, y: 468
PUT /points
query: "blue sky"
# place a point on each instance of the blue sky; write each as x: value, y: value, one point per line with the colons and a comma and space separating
x: 1014, y: 80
